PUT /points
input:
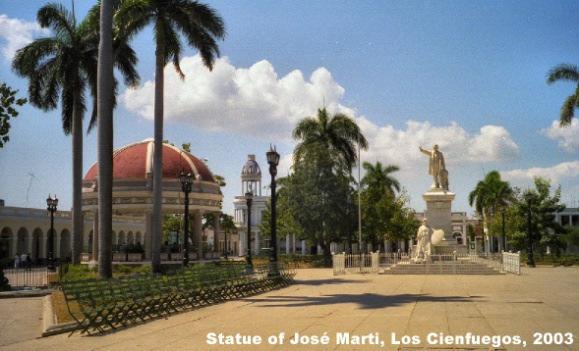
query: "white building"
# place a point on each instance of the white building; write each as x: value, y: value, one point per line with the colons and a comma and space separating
x: 25, y: 230
x: 568, y: 217
x: 250, y: 182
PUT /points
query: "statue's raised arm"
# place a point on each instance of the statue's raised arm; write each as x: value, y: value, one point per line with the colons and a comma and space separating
x: 424, y: 151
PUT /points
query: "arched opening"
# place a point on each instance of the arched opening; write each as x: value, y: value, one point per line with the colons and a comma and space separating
x: 130, y: 238
x: 89, y: 244
x: 138, y: 238
x: 36, y: 245
x: 115, y: 241
x: 22, y: 243
x: 65, y: 247
x: 122, y: 239
x: 6, y: 243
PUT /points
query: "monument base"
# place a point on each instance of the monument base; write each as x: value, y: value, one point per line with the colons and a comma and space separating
x: 439, y: 215
x: 449, y: 249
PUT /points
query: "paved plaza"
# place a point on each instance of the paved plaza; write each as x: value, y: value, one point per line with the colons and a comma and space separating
x: 540, y: 300
x: 20, y: 319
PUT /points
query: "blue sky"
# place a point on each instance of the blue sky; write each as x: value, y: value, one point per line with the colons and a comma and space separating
x: 467, y: 75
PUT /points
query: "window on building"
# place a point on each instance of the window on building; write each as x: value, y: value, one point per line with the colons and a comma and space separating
x: 575, y: 221
x: 565, y: 220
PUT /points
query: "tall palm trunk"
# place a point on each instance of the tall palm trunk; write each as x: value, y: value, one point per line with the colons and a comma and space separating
x: 158, y: 159
x: 77, y: 149
x: 105, y: 138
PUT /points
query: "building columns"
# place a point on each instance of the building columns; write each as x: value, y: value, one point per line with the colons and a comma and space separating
x: 30, y: 244
x: 14, y: 243
x: 95, y: 237
x: 147, y: 235
x: 198, y: 233
x: 243, y: 242
x: 57, y: 245
x: 257, y: 238
x: 217, y: 233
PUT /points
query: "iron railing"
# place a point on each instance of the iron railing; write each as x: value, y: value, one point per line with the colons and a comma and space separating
x: 404, y: 263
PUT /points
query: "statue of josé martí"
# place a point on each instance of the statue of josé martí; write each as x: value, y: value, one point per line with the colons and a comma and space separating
x: 436, y: 167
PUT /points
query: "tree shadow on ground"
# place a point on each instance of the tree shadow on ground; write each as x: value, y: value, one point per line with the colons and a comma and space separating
x: 318, y: 282
x: 364, y: 301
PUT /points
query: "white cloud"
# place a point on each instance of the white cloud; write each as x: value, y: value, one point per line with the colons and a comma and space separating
x: 252, y: 100
x: 558, y: 174
x: 567, y: 137
x: 400, y: 146
x: 257, y: 101
x: 16, y: 34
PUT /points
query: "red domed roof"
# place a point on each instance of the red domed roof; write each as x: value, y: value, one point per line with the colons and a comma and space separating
x: 135, y: 161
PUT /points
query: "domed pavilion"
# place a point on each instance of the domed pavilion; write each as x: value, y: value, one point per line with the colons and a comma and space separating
x: 133, y: 189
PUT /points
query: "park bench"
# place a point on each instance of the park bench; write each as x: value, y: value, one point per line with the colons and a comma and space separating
x: 101, y: 305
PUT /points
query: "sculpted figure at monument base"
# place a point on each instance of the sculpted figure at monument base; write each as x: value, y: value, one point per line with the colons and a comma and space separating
x: 422, y: 243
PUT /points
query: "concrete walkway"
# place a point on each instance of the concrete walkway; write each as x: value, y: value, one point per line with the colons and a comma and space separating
x: 20, y: 319
x: 540, y: 300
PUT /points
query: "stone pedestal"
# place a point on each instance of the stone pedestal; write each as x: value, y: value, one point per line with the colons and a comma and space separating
x: 439, y: 213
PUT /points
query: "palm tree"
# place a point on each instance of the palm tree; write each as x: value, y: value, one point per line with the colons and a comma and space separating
x: 569, y: 73
x: 105, y: 105
x: 201, y: 26
x: 65, y: 66
x: 339, y: 135
x: 489, y: 196
x: 378, y: 177
x: 61, y: 66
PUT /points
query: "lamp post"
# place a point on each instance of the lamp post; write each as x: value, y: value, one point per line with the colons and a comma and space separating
x: 249, y: 200
x: 273, y: 160
x: 51, y: 205
x: 504, y: 238
x: 186, y: 180
x: 224, y: 242
x: 530, y: 256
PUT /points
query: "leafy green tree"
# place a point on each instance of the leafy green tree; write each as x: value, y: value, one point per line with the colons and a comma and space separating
x: 8, y: 101
x: 319, y: 190
x: 572, y: 237
x: 566, y: 72
x: 509, y: 220
x: 490, y: 196
x: 173, y: 223
x: 543, y: 205
x: 286, y: 221
x: 378, y: 202
x: 202, y: 27
x: 316, y: 196
x: 64, y: 65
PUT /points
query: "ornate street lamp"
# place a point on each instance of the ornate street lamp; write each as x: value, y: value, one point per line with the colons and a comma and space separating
x: 530, y: 256
x: 273, y: 160
x: 186, y: 180
x: 249, y: 200
x: 51, y: 205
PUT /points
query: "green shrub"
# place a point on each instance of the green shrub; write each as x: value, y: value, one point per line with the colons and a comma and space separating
x: 4, y: 286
